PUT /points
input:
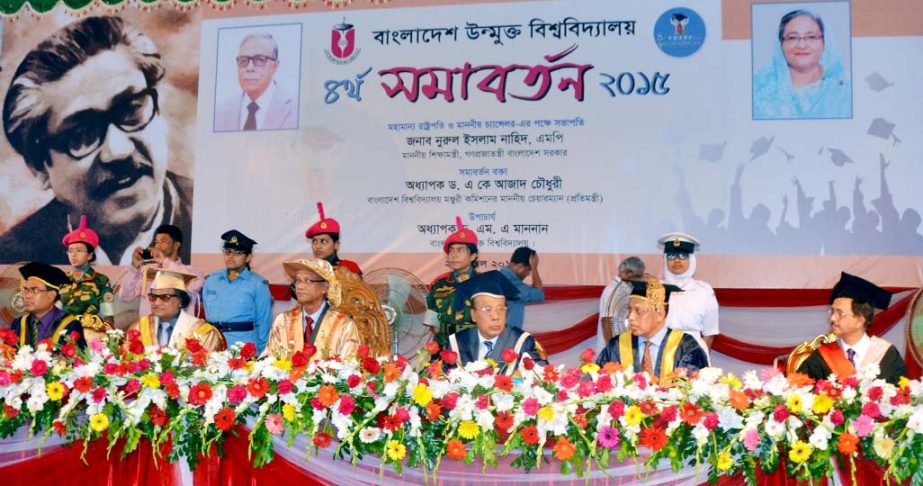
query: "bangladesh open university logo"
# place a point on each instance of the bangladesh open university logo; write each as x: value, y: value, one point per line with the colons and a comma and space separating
x: 679, y: 32
x: 343, y: 48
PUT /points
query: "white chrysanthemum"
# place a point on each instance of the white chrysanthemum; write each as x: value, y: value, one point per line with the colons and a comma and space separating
x: 485, y: 420
x: 390, y: 390
x: 504, y: 401
x: 464, y: 407
x: 710, y: 375
x: 774, y: 429
x: 728, y: 418
x: 777, y: 385
x: 440, y: 388
x: 849, y: 394
x: 868, y: 372
x: 543, y: 396
x: 343, y: 424
x: 701, y: 434
x: 820, y: 438
x: 369, y: 434
x: 36, y: 402
x: 915, y: 422
x: 751, y: 380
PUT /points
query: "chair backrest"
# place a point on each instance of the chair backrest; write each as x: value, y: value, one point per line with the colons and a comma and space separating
x: 803, y: 350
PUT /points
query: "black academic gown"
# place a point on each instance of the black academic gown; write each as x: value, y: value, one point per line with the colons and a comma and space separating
x: 45, y: 332
x: 689, y: 354
x: 468, y: 341
x: 892, y: 366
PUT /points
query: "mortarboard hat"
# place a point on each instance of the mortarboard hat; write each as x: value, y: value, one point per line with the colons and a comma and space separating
x: 52, y: 277
x: 325, y: 225
x: 677, y: 242
x: 82, y: 235
x: 860, y: 290
x: 655, y: 293
x: 461, y: 235
x: 491, y: 283
x: 235, y: 240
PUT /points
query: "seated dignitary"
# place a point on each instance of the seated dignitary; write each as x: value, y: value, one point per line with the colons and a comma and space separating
x: 488, y: 294
x: 852, y: 306
x: 649, y: 345
x: 325, y: 242
x: 631, y: 268
x: 237, y: 300
x: 695, y: 310
x: 42, y: 320
x: 169, y: 323
x: 314, y: 319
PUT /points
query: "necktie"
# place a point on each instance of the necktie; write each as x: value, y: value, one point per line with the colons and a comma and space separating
x: 166, y: 329
x: 851, y: 356
x: 250, y: 124
x: 490, y: 347
x: 33, y: 329
x: 308, y: 329
x: 647, y: 364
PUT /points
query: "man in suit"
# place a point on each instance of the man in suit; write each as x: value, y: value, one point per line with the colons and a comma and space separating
x: 82, y: 110
x: 314, y: 319
x: 488, y: 293
x: 263, y: 103
x: 168, y: 323
x: 649, y: 345
x: 852, y: 306
x: 40, y: 288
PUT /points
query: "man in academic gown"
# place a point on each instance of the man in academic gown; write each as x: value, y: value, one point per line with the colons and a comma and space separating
x: 488, y: 293
x: 852, y: 306
x: 649, y: 345
x: 314, y: 319
x: 40, y: 289
x: 169, y: 323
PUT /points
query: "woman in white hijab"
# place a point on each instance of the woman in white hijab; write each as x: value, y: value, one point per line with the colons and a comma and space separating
x: 695, y: 309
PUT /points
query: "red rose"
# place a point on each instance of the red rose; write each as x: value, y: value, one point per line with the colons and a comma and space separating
x: 603, y: 384
x: 503, y: 382
x: 224, y: 419
x: 132, y: 386
x: 322, y: 440
x: 69, y: 350
x: 133, y: 335
x: 711, y: 420
x: 448, y: 356
x: 528, y: 363
x: 236, y: 394
x: 299, y: 359
x: 167, y: 377
x: 449, y: 401
x: 780, y: 413
x: 248, y: 351
x: 157, y: 415
x: 363, y: 351
x: 616, y: 409
x: 668, y: 414
x: 586, y: 389
x: 9, y: 411
x: 136, y: 347
x: 347, y: 405
x: 371, y: 365
x: 836, y: 417
x: 509, y: 356
x: 871, y: 409
x: 199, y: 393
x: 587, y: 355
x: 257, y: 387
x: 432, y: 347
x: 570, y: 380
x: 309, y: 350
x: 874, y: 393
x: 59, y: 427
x: 99, y: 394
x: 172, y: 390
x: 9, y: 337
x: 353, y: 381
x: 39, y: 367
x: 482, y: 402
x: 193, y: 345
x: 285, y: 387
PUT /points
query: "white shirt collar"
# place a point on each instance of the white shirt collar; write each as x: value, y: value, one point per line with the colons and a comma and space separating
x: 315, y: 317
x: 861, y: 348
x: 263, y: 101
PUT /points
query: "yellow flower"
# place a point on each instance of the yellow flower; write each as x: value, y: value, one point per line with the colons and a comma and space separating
x: 249, y: 367
x: 396, y: 450
x: 55, y: 390
x: 725, y: 461
x: 633, y: 415
x: 99, y: 422
x: 491, y: 362
x: 468, y: 429
x: 151, y: 380
x: 903, y: 382
x: 883, y: 446
x: 288, y: 412
x: 822, y: 404
x: 546, y: 413
x: 589, y: 368
x: 731, y: 381
x: 282, y: 364
x: 800, y: 452
x: 794, y: 403
x: 422, y: 395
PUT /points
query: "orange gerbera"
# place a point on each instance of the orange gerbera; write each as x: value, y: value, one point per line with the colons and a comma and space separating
x: 738, y: 400
x: 456, y: 450
x: 564, y: 449
x: 433, y: 411
x: 653, y: 438
x: 847, y: 444
x: 690, y: 413
x: 327, y: 395
x: 798, y: 380
x: 611, y: 368
x: 392, y: 372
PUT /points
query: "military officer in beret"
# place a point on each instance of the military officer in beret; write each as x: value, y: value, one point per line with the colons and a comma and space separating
x: 237, y: 300
x: 88, y: 292
x: 444, y: 316
x: 40, y: 287
x: 650, y: 345
x: 325, y: 242
x: 487, y: 296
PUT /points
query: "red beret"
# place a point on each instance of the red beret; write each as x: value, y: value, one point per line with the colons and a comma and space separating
x: 82, y: 235
x: 325, y: 225
x: 462, y: 235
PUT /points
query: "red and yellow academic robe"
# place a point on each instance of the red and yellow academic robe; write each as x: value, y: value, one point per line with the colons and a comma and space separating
x: 187, y: 326
x: 337, y: 336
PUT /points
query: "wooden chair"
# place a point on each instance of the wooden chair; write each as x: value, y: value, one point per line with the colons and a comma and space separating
x: 791, y: 362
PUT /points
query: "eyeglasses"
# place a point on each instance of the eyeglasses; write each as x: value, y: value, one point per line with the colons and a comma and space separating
x: 228, y: 252
x: 837, y: 313
x: 258, y: 60
x: 160, y: 297
x: 32, y: 290
x: 489, y: 310
x: 83, y: 132
x: 306, y: 282
x: 808, y: 39
x: 677, y: 256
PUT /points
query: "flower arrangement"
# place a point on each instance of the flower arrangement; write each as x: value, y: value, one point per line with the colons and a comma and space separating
x: 420, y: 414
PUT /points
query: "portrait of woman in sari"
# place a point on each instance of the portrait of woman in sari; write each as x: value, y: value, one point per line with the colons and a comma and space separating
x: 806, y: 77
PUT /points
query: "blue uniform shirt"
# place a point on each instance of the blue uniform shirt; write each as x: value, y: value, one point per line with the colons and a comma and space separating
x: 516, y: 309
x: 246, y: 299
